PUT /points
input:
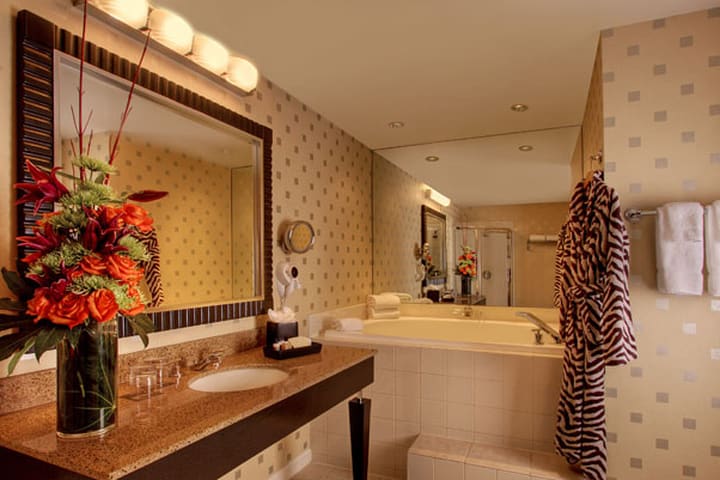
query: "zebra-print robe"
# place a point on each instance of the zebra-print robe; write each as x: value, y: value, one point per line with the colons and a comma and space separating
x: 591, y: 291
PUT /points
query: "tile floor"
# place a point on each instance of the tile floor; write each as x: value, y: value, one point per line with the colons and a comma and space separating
x: 319, y: 471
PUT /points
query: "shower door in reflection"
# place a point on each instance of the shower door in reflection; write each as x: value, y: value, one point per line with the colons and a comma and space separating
x: 494, y: 247
x: 496, y: 266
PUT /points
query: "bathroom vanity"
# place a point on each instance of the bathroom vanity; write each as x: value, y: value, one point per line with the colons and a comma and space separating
x: 187, y: 434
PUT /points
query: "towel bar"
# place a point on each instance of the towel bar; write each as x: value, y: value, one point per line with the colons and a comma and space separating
x: 633, y: 215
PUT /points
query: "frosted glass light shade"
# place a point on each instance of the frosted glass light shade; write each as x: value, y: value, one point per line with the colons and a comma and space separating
x: 437, y: 197
x: 171, y: 30
x: 130, y: 12
x: 242, y: 73
x: 209, y: 53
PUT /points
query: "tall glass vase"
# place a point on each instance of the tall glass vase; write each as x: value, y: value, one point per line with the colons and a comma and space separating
x: 466, y: 285
x: 87, y: 382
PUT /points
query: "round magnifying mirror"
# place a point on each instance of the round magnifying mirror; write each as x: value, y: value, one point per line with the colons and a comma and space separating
x: 299, y: 237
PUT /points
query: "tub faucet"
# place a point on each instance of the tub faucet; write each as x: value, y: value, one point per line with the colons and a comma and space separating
x: 535, y: 320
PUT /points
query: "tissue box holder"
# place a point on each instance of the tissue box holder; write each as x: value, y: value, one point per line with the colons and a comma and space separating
x: 270, y: 352
x: 280, y: 331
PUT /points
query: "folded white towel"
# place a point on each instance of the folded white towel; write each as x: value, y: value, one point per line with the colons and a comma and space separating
x: 391, y: 314
x: 403, y: 297
x: 299, y: 342
x: 712, y: 247
x: 349, y: 324
x: 383, y: 301
x: 679, y: 248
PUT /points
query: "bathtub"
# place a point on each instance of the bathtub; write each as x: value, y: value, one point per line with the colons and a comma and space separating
x: 502, y: 336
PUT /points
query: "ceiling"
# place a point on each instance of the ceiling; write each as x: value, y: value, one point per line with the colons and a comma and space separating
x: 448, y: 69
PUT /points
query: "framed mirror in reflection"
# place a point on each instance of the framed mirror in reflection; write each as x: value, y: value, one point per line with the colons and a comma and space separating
x: 213, y: 230
x: 434, y: 243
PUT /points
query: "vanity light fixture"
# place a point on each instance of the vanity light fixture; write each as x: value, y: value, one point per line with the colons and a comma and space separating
x: 432, y: 158
x: 209, y: 53
x: 243, y: 73
x: 437, y: 197
x: 525, y: 148
x: 396, y: 124
x: 170, y: 31
x: 518, y: 107
x: 131, y: 12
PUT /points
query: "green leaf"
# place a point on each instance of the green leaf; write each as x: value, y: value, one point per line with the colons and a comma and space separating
x: 18, y: 355
x: 16, y: 284
x: 11, y: 305
x: 142, y: 325
x: 10, y: 344
x: 47, y: 338
x: 15, y: 321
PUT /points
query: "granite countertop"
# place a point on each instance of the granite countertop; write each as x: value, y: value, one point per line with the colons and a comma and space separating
x: 148, y: 430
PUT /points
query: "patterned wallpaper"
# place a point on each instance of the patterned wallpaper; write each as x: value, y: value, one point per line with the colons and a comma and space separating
x: 320, y: 173
x: 662, y: 143
x: 192, y: 223
x: 534, y: 264
x: 397, y: 199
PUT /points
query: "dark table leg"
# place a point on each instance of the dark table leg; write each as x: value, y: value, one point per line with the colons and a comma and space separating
x: 360, y: 436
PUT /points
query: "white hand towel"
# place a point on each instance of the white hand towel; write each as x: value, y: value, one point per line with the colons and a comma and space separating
x: 349, y: 324
x: 403, y: 297
x: 712, y: 247
x: 391, y: 314
x: 679, y: 248
x: 383, y: 301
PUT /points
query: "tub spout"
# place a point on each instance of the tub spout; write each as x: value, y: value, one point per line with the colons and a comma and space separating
x: 541, y: 325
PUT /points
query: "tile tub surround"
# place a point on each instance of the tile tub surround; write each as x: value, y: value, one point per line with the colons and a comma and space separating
x: 494, y: 399
x: 437, y: 458
x: 147, y: 432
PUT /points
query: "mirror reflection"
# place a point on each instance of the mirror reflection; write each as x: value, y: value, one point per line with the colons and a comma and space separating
x: 212, y: 174
x: 504, y: 198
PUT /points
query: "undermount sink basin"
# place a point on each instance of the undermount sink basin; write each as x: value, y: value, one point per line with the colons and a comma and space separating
x: 238, y: 379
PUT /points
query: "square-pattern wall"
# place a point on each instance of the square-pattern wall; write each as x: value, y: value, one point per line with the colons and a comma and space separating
x: 661, y: 84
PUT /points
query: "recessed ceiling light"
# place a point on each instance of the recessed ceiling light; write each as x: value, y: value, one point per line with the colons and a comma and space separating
x: 396, y: 124
x: 525, y: 148
x: 432, y: 158
x: 518, y: 107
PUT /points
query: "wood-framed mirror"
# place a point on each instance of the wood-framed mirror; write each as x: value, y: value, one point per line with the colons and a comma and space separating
x: 433, y: 234
x: 39, y: 45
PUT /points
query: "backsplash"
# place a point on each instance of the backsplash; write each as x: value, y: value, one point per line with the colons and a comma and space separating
x: 662, y: 144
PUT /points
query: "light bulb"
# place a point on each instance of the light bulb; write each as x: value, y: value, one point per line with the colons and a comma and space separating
x: 209, y: 53
x: 242, y: 73
x: 171, y: 30
x: 131, y: 12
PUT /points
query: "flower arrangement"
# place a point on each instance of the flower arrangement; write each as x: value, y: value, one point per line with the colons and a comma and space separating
x: 467, y: 262
x: 85, y: 262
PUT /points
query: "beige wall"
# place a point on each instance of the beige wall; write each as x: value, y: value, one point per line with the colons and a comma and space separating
x: 320, y: 173
x: 662, y: 144
x: 534, y: 264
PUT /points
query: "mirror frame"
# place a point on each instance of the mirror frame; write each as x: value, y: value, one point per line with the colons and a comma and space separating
x: 36, y: 41
x: 425, y: 211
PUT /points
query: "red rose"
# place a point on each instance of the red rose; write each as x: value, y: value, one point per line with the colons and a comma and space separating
x: 124, y: 269
x: 93, y: 265
x: 136, y: 307
x: 39, y: 305
x: 102, y: 305
x: 71, y: 310
x: 138, y: 217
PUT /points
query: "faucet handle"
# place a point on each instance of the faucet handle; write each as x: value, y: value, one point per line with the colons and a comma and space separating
x: 538, y: 336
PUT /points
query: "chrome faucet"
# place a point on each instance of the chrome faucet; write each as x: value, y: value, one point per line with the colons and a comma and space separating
x: 212, y: 358
x: 535, y: 320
